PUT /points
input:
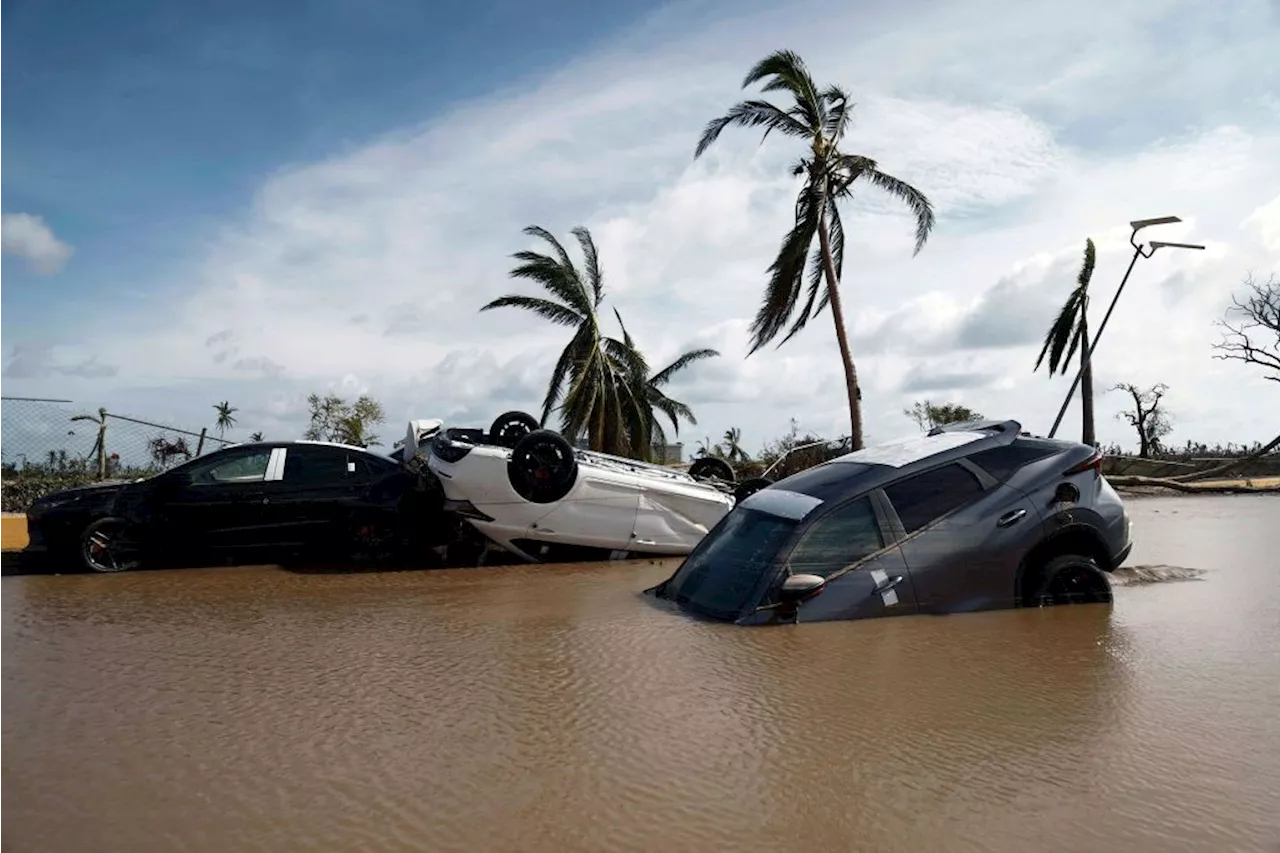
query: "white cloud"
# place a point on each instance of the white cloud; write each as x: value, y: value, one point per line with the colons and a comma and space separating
x: 367, y: 270
x: 29, y: 238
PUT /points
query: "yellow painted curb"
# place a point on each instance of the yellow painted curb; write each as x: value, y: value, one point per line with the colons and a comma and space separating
x: 13, y: 532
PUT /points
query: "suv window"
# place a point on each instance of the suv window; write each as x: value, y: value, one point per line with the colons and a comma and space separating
x: 248, y: 467
x: 925, y: 497
x: 314, y: 466
x: 1002, y: 462
x: 839, y: 538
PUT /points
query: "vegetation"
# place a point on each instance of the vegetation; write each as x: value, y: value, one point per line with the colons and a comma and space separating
x: 257, y: 436
x: 928, y: 415
x: 819, y: 117
x: 1070, y: 330
x: 1146, y: 416
x: 601, y: 385
x: 1251, y: 328
x: 226, y: 417
x: 334, y: 419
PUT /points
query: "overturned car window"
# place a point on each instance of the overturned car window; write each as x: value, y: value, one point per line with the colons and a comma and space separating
x: 723, y: 571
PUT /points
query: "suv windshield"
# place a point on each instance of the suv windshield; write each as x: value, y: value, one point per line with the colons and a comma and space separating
x: 724, y: 570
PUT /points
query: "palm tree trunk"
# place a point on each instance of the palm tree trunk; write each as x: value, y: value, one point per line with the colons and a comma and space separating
x: 842, y: 337
x: 1087, y: 435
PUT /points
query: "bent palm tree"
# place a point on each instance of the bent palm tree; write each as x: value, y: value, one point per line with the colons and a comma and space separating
x: 1069, y: 331
x: 226, y: 417
x: 820, y: 117
x: 733, y: 451
x: 590, y: 382
x: 656, y: 399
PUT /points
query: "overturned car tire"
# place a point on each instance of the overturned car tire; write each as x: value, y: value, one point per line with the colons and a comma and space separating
x: 509, y: 427
x: 709, y: 468
x: 543, y: 467
x: 747, y: 488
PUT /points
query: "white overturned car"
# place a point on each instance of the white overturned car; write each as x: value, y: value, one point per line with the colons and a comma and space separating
x: 533, y: 494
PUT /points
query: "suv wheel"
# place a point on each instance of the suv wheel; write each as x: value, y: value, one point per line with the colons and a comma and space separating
x: 1067, y: 579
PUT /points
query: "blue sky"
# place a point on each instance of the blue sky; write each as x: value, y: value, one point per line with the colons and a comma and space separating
x: 282, y: 198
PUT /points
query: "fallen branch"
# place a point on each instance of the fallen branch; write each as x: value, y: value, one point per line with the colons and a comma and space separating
x: 1227, y: 466
x: 1179, y: 486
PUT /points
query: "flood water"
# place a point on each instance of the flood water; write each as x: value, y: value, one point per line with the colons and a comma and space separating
x: 554, y: 709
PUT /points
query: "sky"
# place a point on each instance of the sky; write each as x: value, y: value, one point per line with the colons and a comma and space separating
x: 277, y: 199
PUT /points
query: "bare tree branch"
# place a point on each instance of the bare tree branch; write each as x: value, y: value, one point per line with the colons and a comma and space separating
x: 1251, y: 328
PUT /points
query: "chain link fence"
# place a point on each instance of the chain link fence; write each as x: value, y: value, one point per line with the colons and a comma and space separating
x: 50, y: 444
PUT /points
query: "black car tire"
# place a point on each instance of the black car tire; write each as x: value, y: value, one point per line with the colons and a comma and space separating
x: 543, y: 467
x: 509, y: 427
x: 1068, y: 579
x: 110, y: 545
x: 710, y: 467
x: 749, y: 487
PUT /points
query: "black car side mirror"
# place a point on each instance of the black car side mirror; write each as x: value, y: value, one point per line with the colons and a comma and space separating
x: 798, y: 588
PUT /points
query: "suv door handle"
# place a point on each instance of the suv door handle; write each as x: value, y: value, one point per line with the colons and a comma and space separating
x: 1010, y: 518
x: 888, y: 584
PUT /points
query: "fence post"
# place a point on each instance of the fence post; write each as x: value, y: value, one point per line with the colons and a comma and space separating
x: 200, y: 443
x: 102, y: 444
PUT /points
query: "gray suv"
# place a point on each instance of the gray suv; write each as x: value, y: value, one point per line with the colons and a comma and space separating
x: 972, y: 516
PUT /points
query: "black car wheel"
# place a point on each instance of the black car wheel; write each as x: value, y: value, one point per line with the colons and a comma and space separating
x: 543, y: 467
x: 1068, y: 579
x: 747, y: 488
x: 110, y: 545
x: 711, y: 468
x: 508, y: 428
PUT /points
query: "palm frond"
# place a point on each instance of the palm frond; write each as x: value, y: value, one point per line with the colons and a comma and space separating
x: 915, y: 200
x: 751, y: 114
x: 595, y: 277
x: 818, y: 290
x: 839, y: 113
x: 786, y: 273
x: 1086, y: 266
x: 558, y: 280
x: 663, y: 376
x: 784, y: 70
x: 545, y: 308
x: 1060, y: 334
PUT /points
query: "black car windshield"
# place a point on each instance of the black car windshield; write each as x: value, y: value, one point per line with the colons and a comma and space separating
x: 717, y: 578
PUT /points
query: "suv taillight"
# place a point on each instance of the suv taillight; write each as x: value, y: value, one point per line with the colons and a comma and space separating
x: 1094, y: 462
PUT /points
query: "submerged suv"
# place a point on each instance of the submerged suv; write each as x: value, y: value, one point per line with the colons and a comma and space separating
x: 972, y: 516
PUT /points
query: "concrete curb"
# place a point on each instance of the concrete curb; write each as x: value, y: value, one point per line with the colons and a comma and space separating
x: 13, y: 531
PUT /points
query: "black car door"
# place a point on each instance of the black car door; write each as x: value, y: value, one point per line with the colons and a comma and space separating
x: 217, y: 503
x: 313, y: 500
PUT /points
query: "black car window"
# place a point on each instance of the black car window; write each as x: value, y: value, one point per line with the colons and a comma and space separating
x: 925, y: 497
x: 1002, y: 462
x: 837, y: 539
x: 315, y: 466
x: 250, y: 467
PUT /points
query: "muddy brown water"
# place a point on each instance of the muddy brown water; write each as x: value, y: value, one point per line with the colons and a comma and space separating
x: 553, y: 709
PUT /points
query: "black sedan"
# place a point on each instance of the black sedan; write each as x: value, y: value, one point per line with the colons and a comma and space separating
x: 259, y: 501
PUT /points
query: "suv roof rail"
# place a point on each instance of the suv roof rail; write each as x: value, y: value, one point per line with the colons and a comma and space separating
x: 978, y: 426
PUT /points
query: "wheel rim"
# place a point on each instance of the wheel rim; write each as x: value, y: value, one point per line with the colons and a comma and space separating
x: 110, y: 549
x: 1070, y: 585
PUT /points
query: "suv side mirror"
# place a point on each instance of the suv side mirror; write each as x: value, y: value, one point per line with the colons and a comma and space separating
x: 798, y: 588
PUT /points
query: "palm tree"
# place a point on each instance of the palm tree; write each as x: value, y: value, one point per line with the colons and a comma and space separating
x: 226, y: 417
x: 656, y: 400
x: 819, y: 117
x: 1069, y: 331
x: 591, y: 382
x: 257, y: 436
x: 733, y: 451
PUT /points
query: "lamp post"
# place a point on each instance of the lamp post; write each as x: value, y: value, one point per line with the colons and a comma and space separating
x: 1137, y: 225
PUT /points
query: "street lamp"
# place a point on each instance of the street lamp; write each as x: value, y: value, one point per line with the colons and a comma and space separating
x: 1137, y: 225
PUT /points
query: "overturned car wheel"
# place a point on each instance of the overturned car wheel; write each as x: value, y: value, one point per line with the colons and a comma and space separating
x: 543, y: 467
x: 110, y: 545
x: 509, y: 427
x: 747, y: 488
x: 711, y: 468
x: 1068, y: 579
